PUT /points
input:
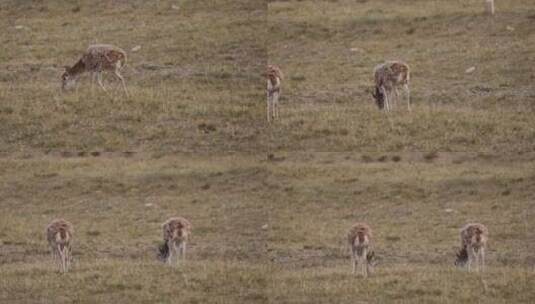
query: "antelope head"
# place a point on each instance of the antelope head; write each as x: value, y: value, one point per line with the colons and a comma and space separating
x: 68, y: 79
x: 379, y: 98
x: 461, y: 257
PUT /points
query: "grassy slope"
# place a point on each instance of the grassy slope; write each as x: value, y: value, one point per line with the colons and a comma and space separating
x: 117, y: 206
x: 328, y: 103
x: 201, y: 65
x: 308, y: 201
x: 199, y: 69
x: 198, y: 65
x: 407, y: 203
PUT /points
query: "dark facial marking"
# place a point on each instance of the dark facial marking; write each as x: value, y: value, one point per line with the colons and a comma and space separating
x: 379, y: 98
x: 462, y: 257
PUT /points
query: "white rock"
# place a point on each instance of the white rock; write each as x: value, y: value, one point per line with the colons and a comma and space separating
x: 470, y: 70
x: 136, y: 48
x: 448, y: 210
x: 264, y: 227
x: 510, y: 28
x: 175, y: 7
x: 149, y: 204
x: 19, y: 27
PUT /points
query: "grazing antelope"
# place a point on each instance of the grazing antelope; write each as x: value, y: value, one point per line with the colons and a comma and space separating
x: 274, y: 78
x: 473, y: 243
x: 59, y: 234
x: 176, y: 231
x: 359, y: 238
x: 96, y: 59
x: 388, y: 77
x: 489, y: 5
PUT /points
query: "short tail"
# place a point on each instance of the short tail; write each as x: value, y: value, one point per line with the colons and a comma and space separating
x: 62, y: 237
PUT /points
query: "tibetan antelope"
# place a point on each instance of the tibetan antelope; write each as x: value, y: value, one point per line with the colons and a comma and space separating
x: 59, y: 235
x: 96, y: 59
x: 176, y: 231
x: 473, y: 243
x: 388, y: 77
x: 359, y: 239
x: 274, y: 78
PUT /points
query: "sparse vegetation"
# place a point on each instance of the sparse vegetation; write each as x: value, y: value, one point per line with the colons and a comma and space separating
x: 269, y: 204
x: 201, y: 63
x: 430, y: 156
x: 328, y: 50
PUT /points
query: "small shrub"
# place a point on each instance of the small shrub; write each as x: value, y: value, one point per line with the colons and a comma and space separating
x: 431, y: 156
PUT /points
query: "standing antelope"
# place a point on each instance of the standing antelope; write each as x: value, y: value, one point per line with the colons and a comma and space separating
x: 388, y: 77
x: 473, y: 243
x: 96, y: 59
x: 359, y: 239
x: 59, y: 234
x: 274, y: 78
x: 176, y: 231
